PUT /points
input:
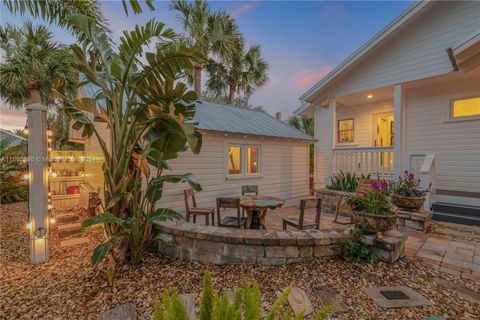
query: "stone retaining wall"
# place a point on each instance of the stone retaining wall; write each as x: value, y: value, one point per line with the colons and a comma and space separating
x: 414, y: 221
x: 330, y: 199
x: 215, y: 245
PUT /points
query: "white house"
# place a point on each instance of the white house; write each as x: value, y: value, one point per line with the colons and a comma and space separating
x: 240, y: 147
x: 408, y: 99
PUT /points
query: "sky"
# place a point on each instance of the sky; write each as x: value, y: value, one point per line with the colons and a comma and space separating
x: 301, y: 40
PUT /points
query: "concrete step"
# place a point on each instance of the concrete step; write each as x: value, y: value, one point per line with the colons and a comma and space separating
x: 74, y: 242
x: 463, y: 210
x: 67, y: 230
x: 456, y: 218
x: 66, y: 218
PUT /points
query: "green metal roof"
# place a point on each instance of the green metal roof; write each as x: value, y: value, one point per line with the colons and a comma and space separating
x: 221, y: 117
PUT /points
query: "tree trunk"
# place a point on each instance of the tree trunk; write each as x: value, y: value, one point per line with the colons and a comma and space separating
x: 231, y: 93
x: 197, y: 81
x: 34, y: 97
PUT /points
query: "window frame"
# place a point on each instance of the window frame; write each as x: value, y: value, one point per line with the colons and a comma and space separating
x: 244, y: 160
x: 338, y: 131
x: 462, y: 118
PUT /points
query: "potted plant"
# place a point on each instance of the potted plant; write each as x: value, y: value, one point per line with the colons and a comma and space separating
x: 373, y: 212
x: 407, y: 193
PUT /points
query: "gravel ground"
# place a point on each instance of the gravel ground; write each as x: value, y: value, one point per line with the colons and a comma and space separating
x: 68, y: 287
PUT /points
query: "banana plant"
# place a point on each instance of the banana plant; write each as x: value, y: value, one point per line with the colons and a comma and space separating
x: 149, y: 113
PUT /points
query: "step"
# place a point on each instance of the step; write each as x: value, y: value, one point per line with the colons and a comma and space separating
x: 456, y: 218
x: 69, y: 226
x: 443, y: 207
x: 66, y: 218
x: 74, y: 242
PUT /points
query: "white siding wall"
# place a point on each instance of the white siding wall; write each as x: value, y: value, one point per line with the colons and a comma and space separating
x: 321, y: 146
x: 416, y: 52
x: 456, y: 145
x: 362, y: 121
x: 285, y: 171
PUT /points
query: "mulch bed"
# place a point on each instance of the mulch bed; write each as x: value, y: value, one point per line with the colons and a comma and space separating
x: 68, y: 287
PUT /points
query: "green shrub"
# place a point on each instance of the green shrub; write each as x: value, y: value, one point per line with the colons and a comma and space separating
x: 10, y: 188
x: 355, y: 250
x: 246, y: 304
x: 346, y: 182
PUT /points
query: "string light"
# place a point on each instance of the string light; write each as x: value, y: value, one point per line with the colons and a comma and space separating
x: 26, y: 176
x: 53, y: 220
x: 29, y: 226
x: 25, y: 130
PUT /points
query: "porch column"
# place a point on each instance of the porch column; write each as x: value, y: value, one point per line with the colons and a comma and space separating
x: 332, y: 127
x: 38, y: 183
x: 399, y: 140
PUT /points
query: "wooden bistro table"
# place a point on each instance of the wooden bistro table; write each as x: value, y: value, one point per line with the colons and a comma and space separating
x: 256, y: 208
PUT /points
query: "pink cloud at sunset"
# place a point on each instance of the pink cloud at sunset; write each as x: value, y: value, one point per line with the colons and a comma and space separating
x: 306, y: 78
x: 12, y: 118
x: 245, y: 7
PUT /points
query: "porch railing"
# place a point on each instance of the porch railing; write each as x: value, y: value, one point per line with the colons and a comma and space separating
x: 376, y: 161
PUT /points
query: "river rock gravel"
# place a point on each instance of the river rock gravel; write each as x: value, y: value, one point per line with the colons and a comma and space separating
x: 68, y: 287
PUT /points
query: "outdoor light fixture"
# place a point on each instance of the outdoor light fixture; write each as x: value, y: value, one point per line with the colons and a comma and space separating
x: 25, y: 130
x: 370, y: 96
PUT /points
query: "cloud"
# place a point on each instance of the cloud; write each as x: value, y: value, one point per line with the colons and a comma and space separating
x: 335, y: 10
x: 11, y: 118
x: 240, y: 10
x: 306, y: 78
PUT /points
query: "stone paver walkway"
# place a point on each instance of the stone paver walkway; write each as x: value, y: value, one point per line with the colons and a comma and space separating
x: 445, y: 253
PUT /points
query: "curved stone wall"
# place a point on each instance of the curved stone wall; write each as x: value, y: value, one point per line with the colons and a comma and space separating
x: 215, y: 245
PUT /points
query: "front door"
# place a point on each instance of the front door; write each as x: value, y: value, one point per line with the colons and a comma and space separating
x: 384, y: 136
x: 383, y: 128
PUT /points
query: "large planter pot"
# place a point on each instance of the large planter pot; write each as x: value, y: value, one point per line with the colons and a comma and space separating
x: 408, y: 203
x: 377, y: 223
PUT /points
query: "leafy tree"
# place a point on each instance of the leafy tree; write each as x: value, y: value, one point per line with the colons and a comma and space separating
x: 33, y: 63
x: 149, y: 115
x: 10, y: 165
x: 239, y: 71
x: 58, y: 11
x: 206, y: 32
x: 306, y: 124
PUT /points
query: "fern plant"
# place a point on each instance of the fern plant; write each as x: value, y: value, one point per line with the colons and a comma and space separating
x: 245, y: 305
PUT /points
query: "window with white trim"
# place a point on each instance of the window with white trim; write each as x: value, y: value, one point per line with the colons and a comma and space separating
x: 243, y: 160
x: 465, y: 108
x: 345, y: 130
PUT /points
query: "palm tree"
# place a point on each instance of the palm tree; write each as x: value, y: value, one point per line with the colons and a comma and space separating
x: 33, y: 63
x: 239, y: 72
x: 55, y: 11
x: 206, y: 32
x: 307, y: 125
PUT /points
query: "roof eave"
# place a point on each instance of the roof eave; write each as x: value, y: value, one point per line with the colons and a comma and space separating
x: 370, y: 44
x: 311, y: 139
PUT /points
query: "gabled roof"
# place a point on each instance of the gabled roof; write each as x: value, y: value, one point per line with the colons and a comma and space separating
x: 219, y: 117
x: 407, y: 15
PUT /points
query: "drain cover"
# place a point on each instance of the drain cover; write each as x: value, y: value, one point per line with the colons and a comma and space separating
x: 394, y: 295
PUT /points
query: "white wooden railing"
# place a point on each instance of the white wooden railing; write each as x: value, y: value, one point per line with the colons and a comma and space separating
x: 376, y: 161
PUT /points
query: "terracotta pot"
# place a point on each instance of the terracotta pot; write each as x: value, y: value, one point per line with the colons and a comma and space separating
x: 73, y: 190
x: 375, y: 223
x: 408, y: 203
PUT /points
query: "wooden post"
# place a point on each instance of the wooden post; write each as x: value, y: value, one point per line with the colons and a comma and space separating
x: 332, y: 127
x: 398, y: 149
x: 38, y: 183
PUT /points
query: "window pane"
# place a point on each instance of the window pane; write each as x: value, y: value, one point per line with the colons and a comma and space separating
x: 234, y: 160
x: 466, y: 107
x: 345, y: 136
x: 345, y: 124
x: 252, y: 160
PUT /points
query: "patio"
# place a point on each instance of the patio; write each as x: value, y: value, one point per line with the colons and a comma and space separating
x: 68, y: 287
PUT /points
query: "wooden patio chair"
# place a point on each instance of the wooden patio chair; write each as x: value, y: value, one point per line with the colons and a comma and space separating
x: 196, y: 211
x: 229, y: 203
x: 364, y: 186
x: 249, y: 190
x: 301, y: 223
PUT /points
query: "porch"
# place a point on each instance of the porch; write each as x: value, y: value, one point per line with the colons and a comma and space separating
x: 366, y: 133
